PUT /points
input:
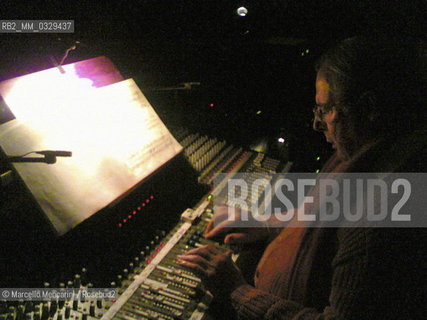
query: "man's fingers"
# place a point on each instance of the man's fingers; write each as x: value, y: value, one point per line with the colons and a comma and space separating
x: 196, y: 268
x: 210, y: 226
x: 216, y: 228
x: 236, y: 238
x: 198, y: 264
x: 240, y: 238
x: 195, y: 259
x: 221, y: 219
x: 220, y: 229
x: 229, y: 253
x: 217, y: 231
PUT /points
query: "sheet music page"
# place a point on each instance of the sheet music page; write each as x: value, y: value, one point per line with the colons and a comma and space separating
x: 115, y: 136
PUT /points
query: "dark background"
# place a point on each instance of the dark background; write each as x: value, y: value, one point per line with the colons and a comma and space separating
x: 262, y: 62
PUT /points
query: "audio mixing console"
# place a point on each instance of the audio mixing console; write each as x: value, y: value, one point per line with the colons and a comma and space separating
x: 153, y: 285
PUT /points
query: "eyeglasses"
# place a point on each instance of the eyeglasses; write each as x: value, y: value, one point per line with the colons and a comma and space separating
x: 318, y: 111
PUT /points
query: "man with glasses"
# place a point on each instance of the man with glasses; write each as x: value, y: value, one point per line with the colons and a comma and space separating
x: 370, y: 105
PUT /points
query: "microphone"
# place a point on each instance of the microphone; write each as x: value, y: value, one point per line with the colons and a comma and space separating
x: 55, y: 153
x: 49, y: 156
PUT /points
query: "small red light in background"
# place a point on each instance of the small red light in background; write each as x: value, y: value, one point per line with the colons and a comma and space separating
x: 153, y: 255
x: 211, y: 105
x: 124, y: 220
x: 148, y: 260
x: 139, y: 208
x: 148, y: 200
x: 157, y: 250
x: 162, y: 244
x: 129, y: 216
x: 151, y: 197
x: 134, y: 212
x: 120, y: 225
x: 143, y: 204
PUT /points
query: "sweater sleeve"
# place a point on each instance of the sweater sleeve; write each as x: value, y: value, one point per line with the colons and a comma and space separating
x: 349, y: 269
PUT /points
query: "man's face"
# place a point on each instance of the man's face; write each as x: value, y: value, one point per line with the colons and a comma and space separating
x: 324, y: 121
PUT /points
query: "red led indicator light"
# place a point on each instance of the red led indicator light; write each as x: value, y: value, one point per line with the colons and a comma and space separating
x: 120, y: 225
x: 148, y: 260
x: 129, y: 216
x: 211, y: 105
x: 124, y: 220
x: 151, y: 197
x: 162, y: 244
x: 139, y: 208
x: 134, y: 213
x: 157, y: 250
x: 153, y: 255
x: 148, y: 200
x: 143, y: 204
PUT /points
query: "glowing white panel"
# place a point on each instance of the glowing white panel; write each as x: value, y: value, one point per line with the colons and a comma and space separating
x: 115, y: 136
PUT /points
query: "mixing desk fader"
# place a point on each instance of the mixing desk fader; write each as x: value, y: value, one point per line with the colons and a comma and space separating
x: 153, y: 287
x: 161, y: 289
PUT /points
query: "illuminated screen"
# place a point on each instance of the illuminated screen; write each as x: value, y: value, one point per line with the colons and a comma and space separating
x: 114, y: 134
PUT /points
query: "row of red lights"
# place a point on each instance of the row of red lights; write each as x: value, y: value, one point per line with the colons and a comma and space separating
x: 134, y: 212
x: 153, y: 255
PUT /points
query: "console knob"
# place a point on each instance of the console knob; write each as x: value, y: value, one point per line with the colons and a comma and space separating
x: 83, y: 276
x: 67, y: 311
x: 45, y: 311
x: 119, y: 280
x: 53, y: 308
x: 92, y: 309
x: 125, y: 274
x: 131, y: 266
x: 77, y: 281
x: 142, y: 255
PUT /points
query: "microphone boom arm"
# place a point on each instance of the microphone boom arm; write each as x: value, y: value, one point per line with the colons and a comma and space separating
x: 49, y: 156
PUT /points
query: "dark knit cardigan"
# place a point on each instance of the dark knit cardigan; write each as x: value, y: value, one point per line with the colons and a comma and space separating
x: 346, y: 273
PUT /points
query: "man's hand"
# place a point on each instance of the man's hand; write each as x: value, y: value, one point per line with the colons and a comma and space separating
x: 217, y: 270
x: 238, y: 227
